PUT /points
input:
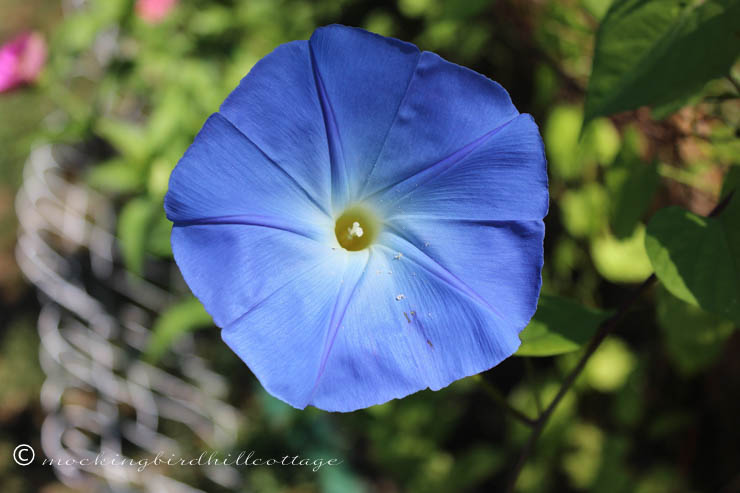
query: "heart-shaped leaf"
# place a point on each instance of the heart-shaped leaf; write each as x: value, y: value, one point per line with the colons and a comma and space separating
x: 698, y: 258
x: 560, y: 326
x: 654, y: 52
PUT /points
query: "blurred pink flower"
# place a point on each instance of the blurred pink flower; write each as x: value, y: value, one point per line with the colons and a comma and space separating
x: 21, y: 60
x: 154, y: 11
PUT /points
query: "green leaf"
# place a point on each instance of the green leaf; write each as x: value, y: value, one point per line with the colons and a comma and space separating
x: 159, y: 177
x: 622, y: 260
x: 129, y: 139
x: 454, y: 9
x: 600, y: 141
x: 731, y: 182
x: 559, y: 326
x: 693, y: 338
x: 654, y: 52
x: 663, y: 111
x: 610, y: 366
x: 597, y: 8
x: 179, y: 319
x: 116, y: 176
x: 159, y: 234
x: 211, y: 20
x: 167, y: 120
x: 561, y: 141
x: 697, y: 258
x: 584, y: 210
x: 414, y: 8
x: 474, y: 466
x: 631, y: 183
x: 76, y: 33
x: 570, y: 156
x: 725, y: 145
x: 133, y: 232
x: 583, y: 457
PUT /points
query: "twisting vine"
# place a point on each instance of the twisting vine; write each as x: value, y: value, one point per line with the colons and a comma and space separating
x: 606, y: 328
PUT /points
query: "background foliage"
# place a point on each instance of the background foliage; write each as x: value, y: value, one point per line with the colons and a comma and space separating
x: 639, y: 108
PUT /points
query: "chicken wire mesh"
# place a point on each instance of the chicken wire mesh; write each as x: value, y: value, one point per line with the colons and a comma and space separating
x: 100, y: 398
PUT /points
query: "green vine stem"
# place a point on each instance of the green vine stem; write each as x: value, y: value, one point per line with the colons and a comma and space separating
x: 604, y: 330
x: 501, y: 400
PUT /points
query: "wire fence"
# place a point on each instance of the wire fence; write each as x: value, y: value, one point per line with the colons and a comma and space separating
x: 100, y: 396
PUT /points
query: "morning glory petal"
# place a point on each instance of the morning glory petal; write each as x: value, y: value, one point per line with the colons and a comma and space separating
x: 363, y: 220
x: 224, y: 177
x: 231, y: 268
x: 498, y: 263
x: 409, y: 327
x: 366, y: 77
x: 501, y: 177
x: 238, y: 220
x: 288, y: 338
x: 446, y: 108
x: 277, y: 107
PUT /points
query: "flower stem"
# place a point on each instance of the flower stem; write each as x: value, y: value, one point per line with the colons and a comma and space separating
x: 497, y: 396
x: 529, y: 366
x: 606, y: 328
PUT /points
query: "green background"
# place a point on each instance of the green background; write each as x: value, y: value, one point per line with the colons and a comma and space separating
x: 654, y: 126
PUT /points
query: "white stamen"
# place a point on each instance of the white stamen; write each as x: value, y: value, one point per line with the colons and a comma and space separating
x: 355, y: 230
x: 400, y: 297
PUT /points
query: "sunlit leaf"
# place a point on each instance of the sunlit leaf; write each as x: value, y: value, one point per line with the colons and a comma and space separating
x: 726, y: 146
x: 597, y: 8
x: 653, y: 52
x: 583, y: 458
x: 697, y: 258
x: 610, y: 366
x: 414, y: 8
x: 631, y: 183
x: 159, y: 234
x: 211, y: 20
x: 621, y: 260
x: 133, y: 232
x: 173, y: 323
x: 159, y: 176
x: 572, y: 155
x: 116, y: 176
x: 561, y: 141
x: 559, y: 326
x: 167, y: 119
x: 128, y: 139
x: 600, y: 141
x: 584, y: 211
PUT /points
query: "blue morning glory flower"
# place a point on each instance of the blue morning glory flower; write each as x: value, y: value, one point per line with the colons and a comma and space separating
x: 363, y: 220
